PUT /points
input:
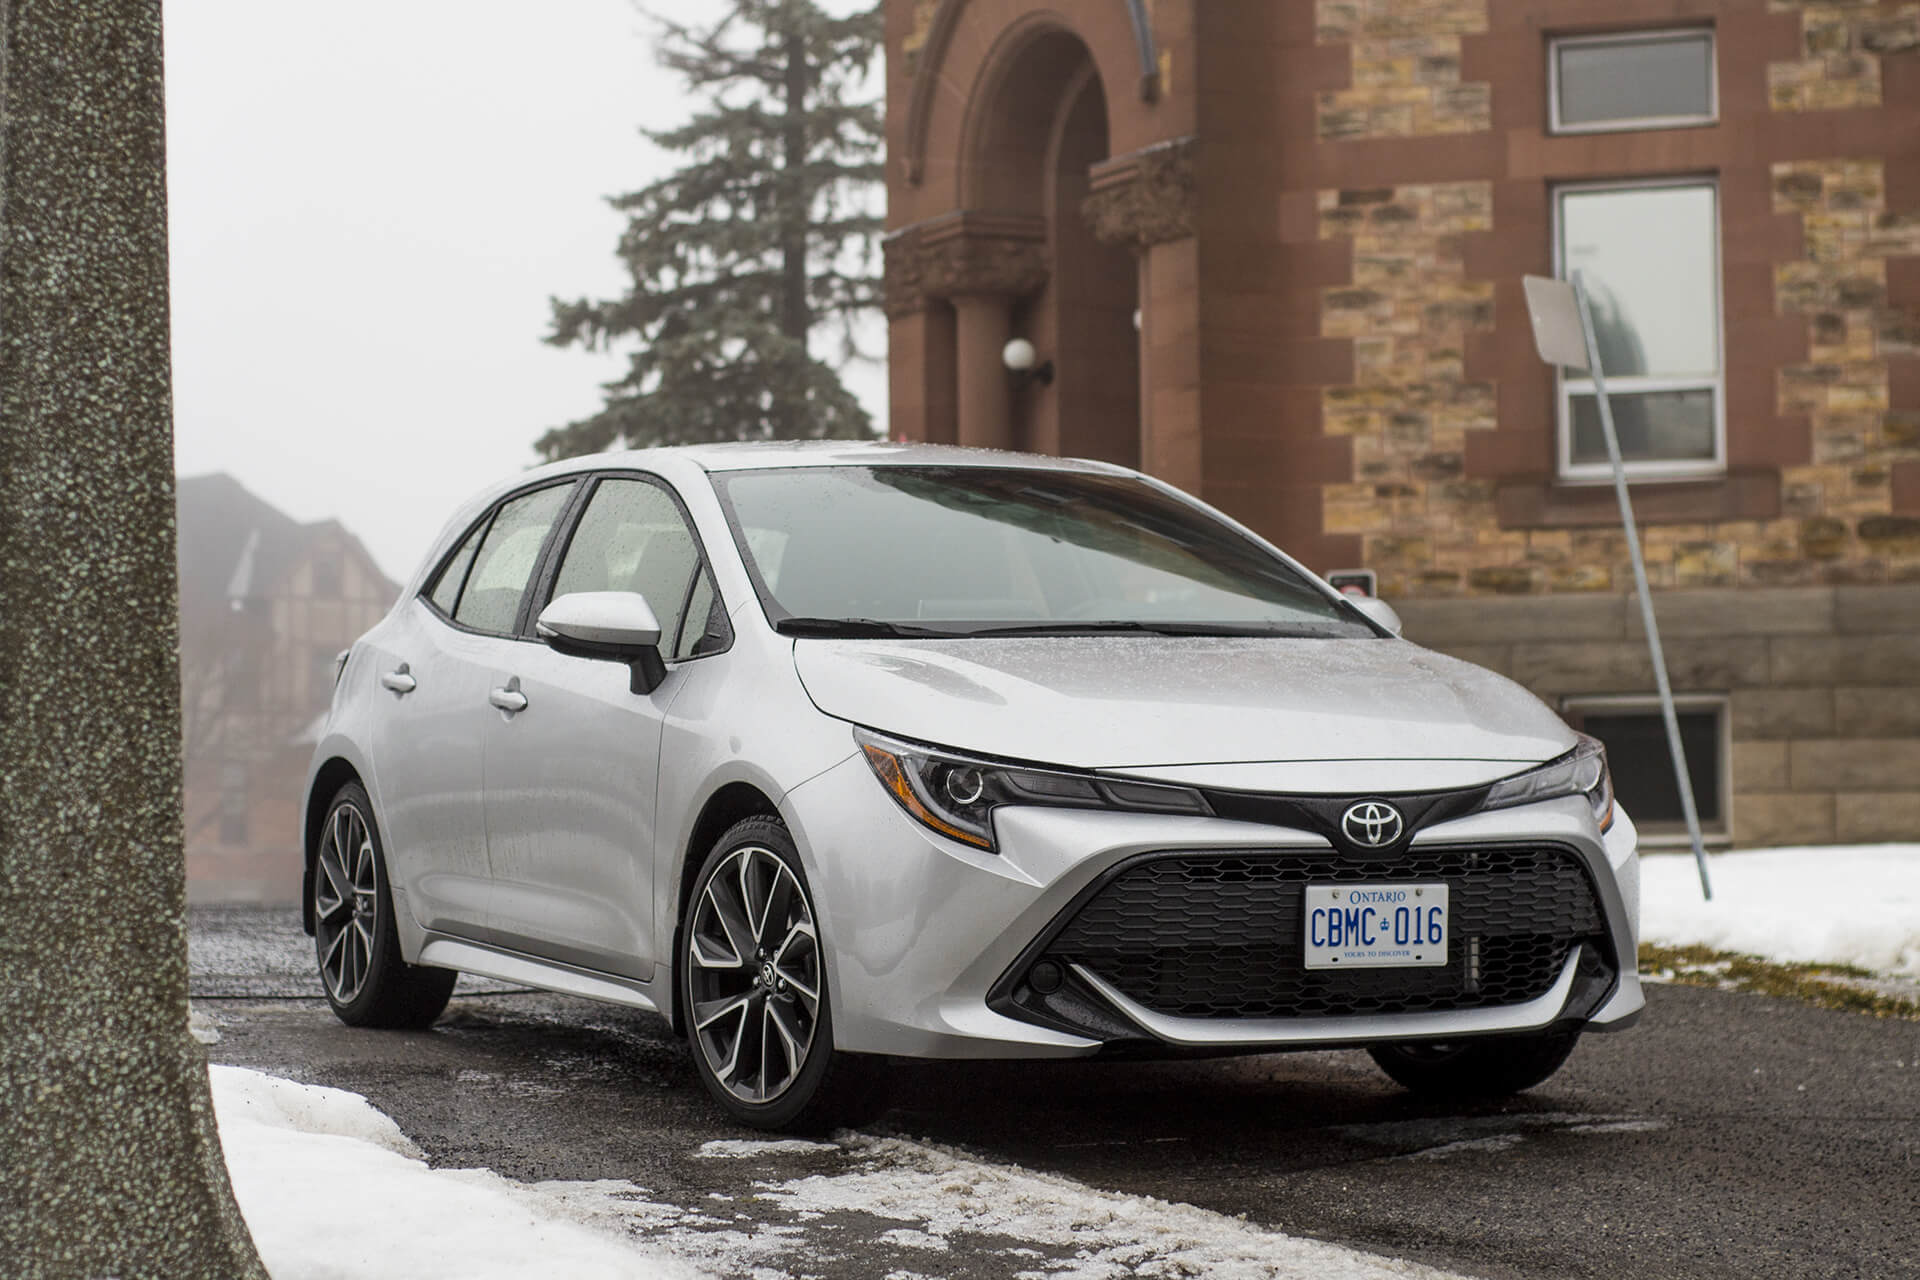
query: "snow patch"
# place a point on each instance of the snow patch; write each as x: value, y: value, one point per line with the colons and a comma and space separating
x: 1855, y: 905
x: 331, y: 1189
x: 202, y: 1027
x: 739, y: 1149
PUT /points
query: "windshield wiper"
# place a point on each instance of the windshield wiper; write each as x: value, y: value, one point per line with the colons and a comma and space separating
x: 1134, y: 625
x: 859, y: 629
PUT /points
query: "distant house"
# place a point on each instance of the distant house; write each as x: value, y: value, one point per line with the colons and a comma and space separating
x: 265, y: 605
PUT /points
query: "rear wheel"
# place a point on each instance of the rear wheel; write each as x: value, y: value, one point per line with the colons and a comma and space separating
x: 753, y: 983
x: 1490, y: 1067
x: 366, y: 980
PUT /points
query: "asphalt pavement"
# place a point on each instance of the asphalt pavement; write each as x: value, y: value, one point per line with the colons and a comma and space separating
x: 1729, y: 1135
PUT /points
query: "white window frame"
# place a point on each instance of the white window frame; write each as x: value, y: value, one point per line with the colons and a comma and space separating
x: 1566, y: 387
x: 1674, y: 835
x: 1626, y: 124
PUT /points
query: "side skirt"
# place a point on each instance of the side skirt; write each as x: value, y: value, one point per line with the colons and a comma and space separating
x: 527, y: 971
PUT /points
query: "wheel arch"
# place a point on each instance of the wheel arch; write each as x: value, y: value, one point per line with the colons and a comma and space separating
x: 335, y: 773
x: 726, y: 806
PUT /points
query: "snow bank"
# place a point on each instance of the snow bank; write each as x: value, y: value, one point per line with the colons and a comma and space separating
x: 1857, y: 905
x: 331, y: 1188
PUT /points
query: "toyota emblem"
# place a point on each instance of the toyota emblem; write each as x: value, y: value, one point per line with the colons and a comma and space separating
x: 1371, y: 824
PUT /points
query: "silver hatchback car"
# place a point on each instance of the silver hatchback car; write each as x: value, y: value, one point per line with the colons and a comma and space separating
x: 833, y: 752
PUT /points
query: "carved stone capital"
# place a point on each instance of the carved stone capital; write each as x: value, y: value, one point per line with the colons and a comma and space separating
x: 964, y: 252
x: 1145, y: 197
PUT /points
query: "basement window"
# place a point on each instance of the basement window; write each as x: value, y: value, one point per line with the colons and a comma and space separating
x: 1632, y: 80
x: 1635, y: 735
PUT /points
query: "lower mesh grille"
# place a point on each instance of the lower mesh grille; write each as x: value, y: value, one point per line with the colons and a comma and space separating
x: 1219, y: 935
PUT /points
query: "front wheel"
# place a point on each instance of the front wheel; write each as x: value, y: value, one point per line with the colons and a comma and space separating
x: 753, y: 985
x: 368, y: 982
x: 1490, y: 1067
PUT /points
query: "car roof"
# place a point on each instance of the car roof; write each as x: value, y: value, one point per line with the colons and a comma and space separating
x: 758, y: 455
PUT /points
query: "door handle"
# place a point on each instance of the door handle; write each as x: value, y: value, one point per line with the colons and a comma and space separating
x: 508, y: 699
x: 400, y: 681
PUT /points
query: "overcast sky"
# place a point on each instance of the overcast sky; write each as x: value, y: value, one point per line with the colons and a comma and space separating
x: 370, y: 206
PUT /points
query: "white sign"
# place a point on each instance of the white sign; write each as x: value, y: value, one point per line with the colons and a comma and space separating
x: 1557, y: 332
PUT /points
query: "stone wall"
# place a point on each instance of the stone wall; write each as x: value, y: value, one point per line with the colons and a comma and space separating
x: 1823, y: 688
x: 1405, y: 69
x: 1450, y: 421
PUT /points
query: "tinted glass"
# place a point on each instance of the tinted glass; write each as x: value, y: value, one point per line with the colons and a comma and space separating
x: 1663, y: 426
x: 446, y: 590
x: 970, y: 549
x: 633, y: 538
x: 699, y: 622
x: 1650, y: 260
x: 1623, y: 81
x: 506, y: 558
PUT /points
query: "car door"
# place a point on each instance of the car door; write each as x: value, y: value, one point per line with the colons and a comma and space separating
x: 572, y: 776
x: 434, y: 670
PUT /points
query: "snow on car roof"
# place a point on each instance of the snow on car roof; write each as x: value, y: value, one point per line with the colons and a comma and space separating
x: 762, y: 455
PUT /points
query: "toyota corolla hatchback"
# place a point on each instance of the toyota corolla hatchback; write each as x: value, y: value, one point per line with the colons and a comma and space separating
x: 838, y: 752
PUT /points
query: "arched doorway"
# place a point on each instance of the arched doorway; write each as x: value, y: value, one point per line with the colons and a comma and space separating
x: 1039, y: 125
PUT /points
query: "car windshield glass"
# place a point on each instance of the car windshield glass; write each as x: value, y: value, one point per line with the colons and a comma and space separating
x: 942, y: 551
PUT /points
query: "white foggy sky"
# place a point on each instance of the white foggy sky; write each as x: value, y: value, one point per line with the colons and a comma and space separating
x: 370, y: 204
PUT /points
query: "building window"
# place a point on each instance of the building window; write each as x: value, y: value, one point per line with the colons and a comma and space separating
x: 1631, y: 80
x: 1636, y: 737
x: 1648, y: 254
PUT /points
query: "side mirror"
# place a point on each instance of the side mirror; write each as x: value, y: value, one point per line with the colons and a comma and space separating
x: 1377, y: 610
x: 614, y: 626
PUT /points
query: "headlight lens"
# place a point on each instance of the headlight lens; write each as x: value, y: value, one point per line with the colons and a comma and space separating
x: 956, y: 795
x: 1581, y: 772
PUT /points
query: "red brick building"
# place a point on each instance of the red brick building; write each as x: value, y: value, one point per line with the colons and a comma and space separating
x: 1272, y: 252
x: 265, y: 605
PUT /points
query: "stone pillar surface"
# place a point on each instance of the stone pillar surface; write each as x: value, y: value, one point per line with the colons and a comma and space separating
x: 983, y: 324
x: 109, y: 1161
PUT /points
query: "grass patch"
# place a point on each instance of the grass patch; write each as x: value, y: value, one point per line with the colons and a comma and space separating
x: 1830, y: 986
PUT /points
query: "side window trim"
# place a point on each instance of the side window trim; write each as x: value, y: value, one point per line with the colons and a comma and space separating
x: 548, y: 572
x: 546, y: 546
x: 547, y: 565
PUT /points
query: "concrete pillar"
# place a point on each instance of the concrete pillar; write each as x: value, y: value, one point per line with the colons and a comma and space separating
x: 983, y: 324
x: 109, y: 1161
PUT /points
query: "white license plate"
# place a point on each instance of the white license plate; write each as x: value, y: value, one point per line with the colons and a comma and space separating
x: 1375, y: 926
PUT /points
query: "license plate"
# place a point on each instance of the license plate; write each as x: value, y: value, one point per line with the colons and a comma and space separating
x: 1376, y: 926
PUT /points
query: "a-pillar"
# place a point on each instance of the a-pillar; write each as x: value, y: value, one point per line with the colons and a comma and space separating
x: 983, y: 322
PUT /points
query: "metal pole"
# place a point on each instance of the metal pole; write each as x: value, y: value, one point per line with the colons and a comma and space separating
x: 1667, y: 713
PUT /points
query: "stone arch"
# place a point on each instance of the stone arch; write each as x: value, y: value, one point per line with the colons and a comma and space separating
x: 930, y: 68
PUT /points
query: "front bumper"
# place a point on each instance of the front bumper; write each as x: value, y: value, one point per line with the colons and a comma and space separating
x: 932, y: 945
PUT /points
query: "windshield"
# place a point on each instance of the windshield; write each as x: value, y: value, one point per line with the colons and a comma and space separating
x: 944, y: 551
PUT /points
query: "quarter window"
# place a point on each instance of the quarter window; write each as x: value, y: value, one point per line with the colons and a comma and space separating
x: 632, y: 537
x: 1632, y: 80
x: 446, y: 589
x: 1648, y: 255
x: 490, y: 600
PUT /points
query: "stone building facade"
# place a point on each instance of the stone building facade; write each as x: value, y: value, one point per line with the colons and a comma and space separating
x: 1273, y: 254
x: 266, y: 604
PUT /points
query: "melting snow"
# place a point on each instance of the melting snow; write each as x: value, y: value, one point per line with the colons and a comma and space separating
x: 1857, y: 905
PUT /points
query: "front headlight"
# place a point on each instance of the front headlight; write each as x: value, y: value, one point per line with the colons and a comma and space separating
x: 1580, y: 772
x: 956, y: 795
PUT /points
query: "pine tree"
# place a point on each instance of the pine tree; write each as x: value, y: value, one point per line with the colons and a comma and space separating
x: 766, y: 234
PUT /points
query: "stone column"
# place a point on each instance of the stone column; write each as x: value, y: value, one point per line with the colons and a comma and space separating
x: 109, y: 1161
x: 983, y: 322
x: 1146, y: 199
x: 985, y: 264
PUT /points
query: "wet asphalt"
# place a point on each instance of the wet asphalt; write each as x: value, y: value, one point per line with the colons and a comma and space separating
x: 1728, y: 1135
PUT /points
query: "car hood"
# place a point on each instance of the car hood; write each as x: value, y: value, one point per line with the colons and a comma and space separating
x: 1208, y: 710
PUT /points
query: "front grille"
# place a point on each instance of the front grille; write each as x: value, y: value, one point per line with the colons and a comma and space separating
x: 1216, y: 935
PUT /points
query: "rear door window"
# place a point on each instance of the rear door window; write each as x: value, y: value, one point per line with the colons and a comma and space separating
x: 505, y: 561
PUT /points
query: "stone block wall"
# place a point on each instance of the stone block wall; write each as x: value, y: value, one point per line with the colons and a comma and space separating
x: 1822, y: 687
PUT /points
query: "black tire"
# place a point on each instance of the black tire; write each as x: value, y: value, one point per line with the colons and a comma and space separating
x: 367, y: 981
x: 751, y: 991
x: 1489, y: 1067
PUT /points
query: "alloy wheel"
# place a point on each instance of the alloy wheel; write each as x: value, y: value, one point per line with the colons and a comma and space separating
x: 754, y: 974
x: 346, y: 903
